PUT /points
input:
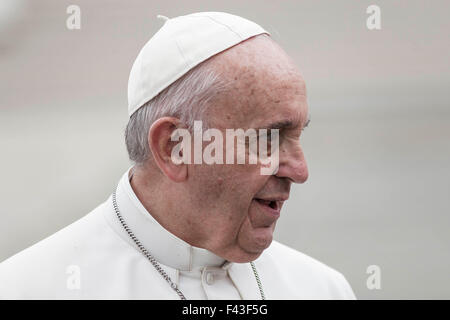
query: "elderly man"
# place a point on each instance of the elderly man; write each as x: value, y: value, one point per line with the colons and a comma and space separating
x: 191, y: 230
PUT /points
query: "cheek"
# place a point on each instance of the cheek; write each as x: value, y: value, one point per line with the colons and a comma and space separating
x: 241, y: 188
x: 218, y: 192
x: 224, y: 193
x: 207, y: 183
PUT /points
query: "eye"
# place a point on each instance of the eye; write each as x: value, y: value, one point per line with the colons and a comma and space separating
x: 306, y: 124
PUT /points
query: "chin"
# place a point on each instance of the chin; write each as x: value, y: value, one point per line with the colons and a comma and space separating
x: 247, y: 257
x: 261, y: 239
x: 252, y: 249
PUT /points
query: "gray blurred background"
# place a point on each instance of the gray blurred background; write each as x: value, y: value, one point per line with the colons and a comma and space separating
x: 377, y: 146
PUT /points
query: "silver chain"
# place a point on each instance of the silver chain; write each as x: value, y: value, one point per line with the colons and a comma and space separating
x: 157, y: 266
x: 144, y: 251
x: 258, y: 281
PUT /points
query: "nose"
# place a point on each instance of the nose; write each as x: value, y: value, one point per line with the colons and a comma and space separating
x: 292, y: 163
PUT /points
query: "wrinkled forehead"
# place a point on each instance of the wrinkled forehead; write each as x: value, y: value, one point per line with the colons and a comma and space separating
x: 274, y: 98
x: 260, y: 94
x: 264, y: 83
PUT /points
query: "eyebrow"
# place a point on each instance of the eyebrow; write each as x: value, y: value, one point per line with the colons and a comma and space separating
x: 287, y: 124
x: 283, y: 124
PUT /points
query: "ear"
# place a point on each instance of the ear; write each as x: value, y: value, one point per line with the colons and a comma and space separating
x: 161, y: 145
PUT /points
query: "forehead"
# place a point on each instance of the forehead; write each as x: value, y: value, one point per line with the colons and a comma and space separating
x: 264, y: 84
x: 261, y: 97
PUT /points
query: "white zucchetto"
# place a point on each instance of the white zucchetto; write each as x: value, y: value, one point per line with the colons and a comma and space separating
x: 181, y: 44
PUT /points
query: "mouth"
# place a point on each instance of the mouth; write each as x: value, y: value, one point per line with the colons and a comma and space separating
x: 271, y: 206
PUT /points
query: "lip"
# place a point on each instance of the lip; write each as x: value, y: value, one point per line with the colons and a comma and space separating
x: 273, y: 212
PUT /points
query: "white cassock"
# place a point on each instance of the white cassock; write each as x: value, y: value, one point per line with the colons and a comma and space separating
x: 94, y: 258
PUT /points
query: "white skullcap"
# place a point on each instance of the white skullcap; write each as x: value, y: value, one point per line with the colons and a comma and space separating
x: 181, y: 44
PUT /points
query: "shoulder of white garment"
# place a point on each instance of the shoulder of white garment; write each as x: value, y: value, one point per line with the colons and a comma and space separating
x: 42, y: 270
x: 85, y: 260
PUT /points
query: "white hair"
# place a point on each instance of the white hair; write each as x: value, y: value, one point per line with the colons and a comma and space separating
x: 186, y: 99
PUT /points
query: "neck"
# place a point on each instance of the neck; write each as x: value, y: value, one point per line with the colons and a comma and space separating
x: 164, y: 204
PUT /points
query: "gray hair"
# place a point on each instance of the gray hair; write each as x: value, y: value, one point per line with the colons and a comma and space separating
x: 186, y: 99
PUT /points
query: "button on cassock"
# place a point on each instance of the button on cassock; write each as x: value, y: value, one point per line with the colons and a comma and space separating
x: 209, y: 278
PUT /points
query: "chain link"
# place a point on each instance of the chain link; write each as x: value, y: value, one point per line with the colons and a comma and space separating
x: 258, y: 281
x: 157, y: 266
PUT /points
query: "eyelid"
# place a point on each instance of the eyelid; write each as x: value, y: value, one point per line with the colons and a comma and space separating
x: 306, y: 124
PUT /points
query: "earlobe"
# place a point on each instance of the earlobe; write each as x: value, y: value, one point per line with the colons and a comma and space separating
x: 161, y: 145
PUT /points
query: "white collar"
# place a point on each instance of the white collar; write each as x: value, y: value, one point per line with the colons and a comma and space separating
x: 167, y: 248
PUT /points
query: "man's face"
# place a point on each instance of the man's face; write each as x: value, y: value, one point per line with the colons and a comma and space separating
x: 237, y: 206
